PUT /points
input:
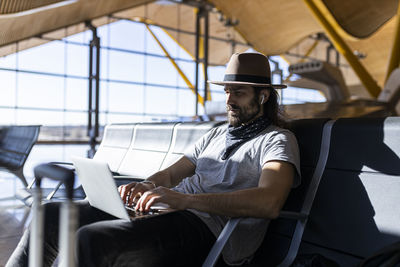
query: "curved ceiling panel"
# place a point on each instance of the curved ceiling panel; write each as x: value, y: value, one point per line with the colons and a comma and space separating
x: 271, y: 26
x: 361, y: 18
x: 12, y: 6
x: 14, y: 27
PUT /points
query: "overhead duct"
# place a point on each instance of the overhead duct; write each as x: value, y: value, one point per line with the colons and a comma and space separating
x: 325, y: 75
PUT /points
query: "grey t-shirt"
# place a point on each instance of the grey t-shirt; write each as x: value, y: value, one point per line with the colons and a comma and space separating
x: 240, y: 171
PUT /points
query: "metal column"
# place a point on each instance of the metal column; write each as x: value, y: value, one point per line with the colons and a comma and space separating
x: 201, y: 12
x: 94, y: 90
x: 197, y: 40
x: 205, y: 58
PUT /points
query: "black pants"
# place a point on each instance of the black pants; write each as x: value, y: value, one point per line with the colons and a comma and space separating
x: 174, y: 239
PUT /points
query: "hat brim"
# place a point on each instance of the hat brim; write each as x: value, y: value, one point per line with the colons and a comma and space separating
x: 276, y: 86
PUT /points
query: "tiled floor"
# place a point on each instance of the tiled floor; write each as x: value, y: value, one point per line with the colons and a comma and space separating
x: 14, y: 216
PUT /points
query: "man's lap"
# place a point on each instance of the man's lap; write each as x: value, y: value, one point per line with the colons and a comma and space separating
x: 178, y: 236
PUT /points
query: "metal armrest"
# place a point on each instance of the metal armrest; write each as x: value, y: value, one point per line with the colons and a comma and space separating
x: 61, y: 163
x: 293, y: 215
x: 220, y: 243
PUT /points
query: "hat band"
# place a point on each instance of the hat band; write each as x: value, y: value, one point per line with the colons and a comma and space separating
x: 246, y: 78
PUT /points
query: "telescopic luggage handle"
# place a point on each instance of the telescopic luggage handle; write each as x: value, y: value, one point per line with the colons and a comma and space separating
x: 57, y: 173
x: 68, y: 217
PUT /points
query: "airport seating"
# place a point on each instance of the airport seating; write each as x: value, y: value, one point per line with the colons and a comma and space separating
x: 152, y: 146
x: 16, y: 143
x: 351, y: 167
x: 355, y: 212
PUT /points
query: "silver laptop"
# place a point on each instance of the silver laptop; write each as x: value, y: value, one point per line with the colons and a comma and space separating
x: 102, y: 193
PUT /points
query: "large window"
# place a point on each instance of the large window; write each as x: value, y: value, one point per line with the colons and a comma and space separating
x: 48, y: 84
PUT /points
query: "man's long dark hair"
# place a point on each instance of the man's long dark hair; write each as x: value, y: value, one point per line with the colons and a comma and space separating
x: 272, y: 110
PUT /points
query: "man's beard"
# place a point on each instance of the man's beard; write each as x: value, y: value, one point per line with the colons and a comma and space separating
x: 244, y: 114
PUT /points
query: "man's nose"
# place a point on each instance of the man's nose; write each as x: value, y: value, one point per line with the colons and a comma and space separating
x: 229, y: 98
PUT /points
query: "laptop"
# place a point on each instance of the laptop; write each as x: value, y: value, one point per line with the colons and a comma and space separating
x: 102, y: 193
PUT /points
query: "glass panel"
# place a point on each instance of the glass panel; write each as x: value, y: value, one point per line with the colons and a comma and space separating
x: 40, y: 91
x: 7, y: 91
x: 78, y: 60
x: 82, y: 37
x: 187, y: 100
x: 120, y: 118
x: 189, y: 70
x: 125, y: 98
x: 7, y: 116
x: 161, y: 100
x: 76, y: 94
x: 126, y: 67
x: 151, y: 44
x: 76, y: 118
x: 47, y: 153
x: 104, y: 64
x: 48, y: 57
x: 103, y: 34
x: 169, y: 44
x: 161, y: 71
x: 218, y: 96
x: 8, y: 61
x: 127, y: 35
x: 104, y: 96
x: 26, y: 116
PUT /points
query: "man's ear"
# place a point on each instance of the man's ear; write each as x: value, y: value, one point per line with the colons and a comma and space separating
x: 264, y: 95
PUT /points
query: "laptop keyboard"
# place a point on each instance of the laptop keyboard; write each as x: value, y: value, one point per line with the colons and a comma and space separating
x: 137, y: 213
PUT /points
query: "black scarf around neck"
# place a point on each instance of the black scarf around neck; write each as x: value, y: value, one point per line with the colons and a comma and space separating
x: 235, y: 136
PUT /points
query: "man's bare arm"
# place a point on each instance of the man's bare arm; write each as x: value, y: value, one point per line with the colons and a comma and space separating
x: 168, y: 177
x: 264, y: 201
x: 174, y: 174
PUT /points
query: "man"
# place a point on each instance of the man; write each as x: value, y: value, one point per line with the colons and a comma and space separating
x: 244, y: 169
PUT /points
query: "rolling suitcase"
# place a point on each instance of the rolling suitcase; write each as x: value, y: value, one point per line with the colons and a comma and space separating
x: 68, y: 217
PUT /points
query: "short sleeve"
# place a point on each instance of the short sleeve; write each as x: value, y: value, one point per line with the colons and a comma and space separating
x: 193, y: 152
x: 283, y: 146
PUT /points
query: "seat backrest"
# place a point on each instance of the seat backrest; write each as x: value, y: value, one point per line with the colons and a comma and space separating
x: 185, y: 135
x: 276, y: 243
x: 148, y: 150
x: 356, y: 210
x: 16, y: 143
x: 116, y: 141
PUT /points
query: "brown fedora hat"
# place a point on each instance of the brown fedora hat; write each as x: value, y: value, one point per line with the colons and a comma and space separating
x: 248, y: 69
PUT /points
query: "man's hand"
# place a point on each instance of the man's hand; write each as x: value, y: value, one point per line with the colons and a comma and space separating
x: 164, y: 195
x: 131, y: 191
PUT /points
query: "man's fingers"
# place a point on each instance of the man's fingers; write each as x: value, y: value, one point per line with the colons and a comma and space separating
x: 124, y: 190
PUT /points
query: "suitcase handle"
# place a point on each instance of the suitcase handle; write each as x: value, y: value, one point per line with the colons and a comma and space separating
x: 68, y: 216
x: 58, y: 173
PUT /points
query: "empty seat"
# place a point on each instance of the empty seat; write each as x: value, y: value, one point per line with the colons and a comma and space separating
x: 116, y: 141
x: 356, y: 211
x: 148, y: 149
x: 16, y: 143
x: 185, y: 135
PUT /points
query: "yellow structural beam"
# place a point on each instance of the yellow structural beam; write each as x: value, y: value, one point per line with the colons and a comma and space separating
x: 341, y: 46
x: 150, y: 22
x: 188, y: 83
x: 394, y: 60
